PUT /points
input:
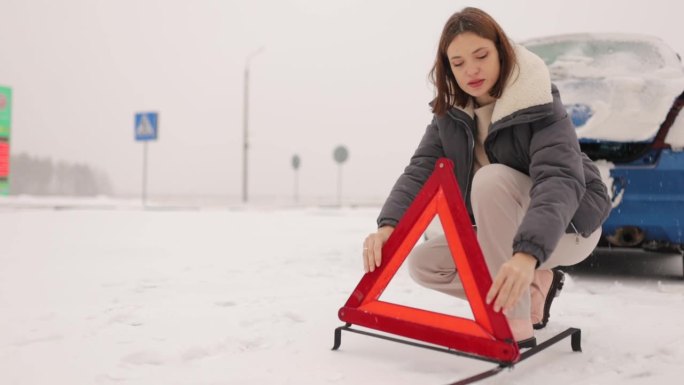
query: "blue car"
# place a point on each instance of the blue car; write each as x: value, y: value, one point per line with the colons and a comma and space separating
x: 624, y: 94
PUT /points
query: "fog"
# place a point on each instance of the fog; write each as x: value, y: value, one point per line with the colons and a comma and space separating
x: 331, y: 73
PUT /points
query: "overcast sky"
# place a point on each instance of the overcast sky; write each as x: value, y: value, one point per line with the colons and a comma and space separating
x: 332, y: 72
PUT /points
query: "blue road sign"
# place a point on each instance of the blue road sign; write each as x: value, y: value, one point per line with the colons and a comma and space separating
x: 146, y: 126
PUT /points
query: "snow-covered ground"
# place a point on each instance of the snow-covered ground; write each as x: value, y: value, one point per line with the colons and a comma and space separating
x: 250, y: 296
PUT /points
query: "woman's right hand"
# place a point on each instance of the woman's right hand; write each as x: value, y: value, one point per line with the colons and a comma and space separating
x: 372, y: 248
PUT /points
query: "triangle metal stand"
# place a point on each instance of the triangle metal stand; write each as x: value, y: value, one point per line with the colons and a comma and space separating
x: 574, y: 334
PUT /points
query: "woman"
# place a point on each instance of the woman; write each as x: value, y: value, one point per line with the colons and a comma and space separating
x: 537, y: 201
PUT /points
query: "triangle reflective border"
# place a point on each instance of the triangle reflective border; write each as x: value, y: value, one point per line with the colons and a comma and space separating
x: 489, y: 334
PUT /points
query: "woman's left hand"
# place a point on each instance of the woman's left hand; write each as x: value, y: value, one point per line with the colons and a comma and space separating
x: 513, y: 278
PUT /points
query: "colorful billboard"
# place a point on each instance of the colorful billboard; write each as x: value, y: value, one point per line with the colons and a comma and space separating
x: 5, y: 126
x: 5, y: 112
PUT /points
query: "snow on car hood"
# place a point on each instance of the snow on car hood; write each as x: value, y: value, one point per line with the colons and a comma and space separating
x: 620, y: 87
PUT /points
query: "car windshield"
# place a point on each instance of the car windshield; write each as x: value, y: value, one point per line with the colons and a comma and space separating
x: 597, y: 58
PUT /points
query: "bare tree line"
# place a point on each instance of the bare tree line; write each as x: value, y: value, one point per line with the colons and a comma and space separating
x: 43, y: 176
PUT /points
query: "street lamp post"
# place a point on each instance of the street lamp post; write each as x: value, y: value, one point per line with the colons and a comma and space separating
x: 245, y: 124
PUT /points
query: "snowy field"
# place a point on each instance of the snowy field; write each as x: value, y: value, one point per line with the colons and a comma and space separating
x: 108, y: 294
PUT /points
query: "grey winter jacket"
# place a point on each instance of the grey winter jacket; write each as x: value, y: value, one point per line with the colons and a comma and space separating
x: 530, y: 132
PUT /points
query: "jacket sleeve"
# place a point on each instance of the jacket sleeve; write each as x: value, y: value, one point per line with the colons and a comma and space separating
x: 558, y: 186
x: 415, y: 174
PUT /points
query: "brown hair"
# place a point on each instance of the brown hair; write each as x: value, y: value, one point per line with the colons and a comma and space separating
x: 480, y: 23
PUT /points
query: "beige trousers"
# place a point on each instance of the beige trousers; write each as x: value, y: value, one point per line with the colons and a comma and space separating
x: 500, y: 197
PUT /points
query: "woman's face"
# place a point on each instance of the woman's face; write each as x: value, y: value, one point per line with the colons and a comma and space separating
x: 475, y: 63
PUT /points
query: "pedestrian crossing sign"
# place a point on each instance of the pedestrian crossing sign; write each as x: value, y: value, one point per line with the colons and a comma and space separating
x: 146, y: 126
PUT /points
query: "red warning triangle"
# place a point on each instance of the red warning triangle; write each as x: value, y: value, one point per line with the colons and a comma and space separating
x: 489, y: 334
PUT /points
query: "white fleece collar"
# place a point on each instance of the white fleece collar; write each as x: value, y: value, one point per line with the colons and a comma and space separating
x: 529, y: 85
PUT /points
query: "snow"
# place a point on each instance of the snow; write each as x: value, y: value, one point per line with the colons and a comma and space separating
x: 604, y: 168
x: 250, y: 296
x: 629, y: 82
